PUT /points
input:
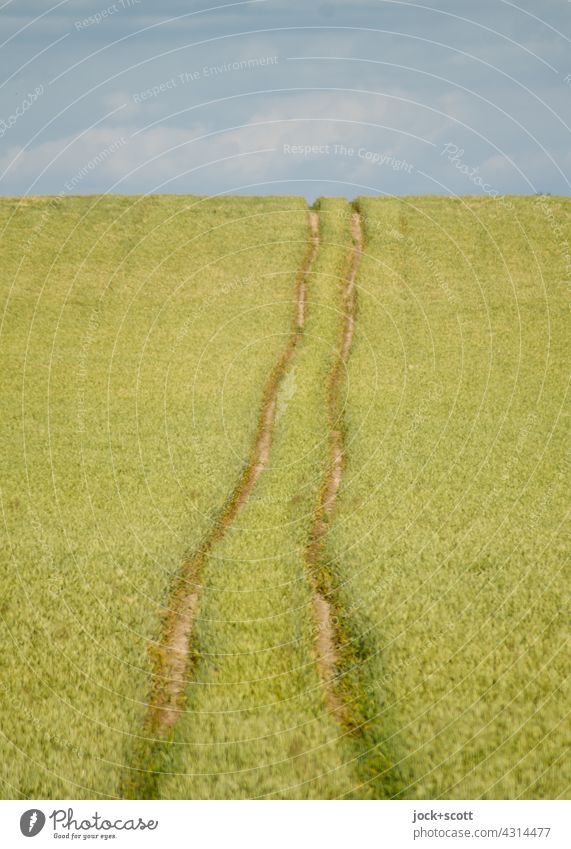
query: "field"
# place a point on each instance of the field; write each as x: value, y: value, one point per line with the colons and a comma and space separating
x: 450, y: 538
x: 284, y: 497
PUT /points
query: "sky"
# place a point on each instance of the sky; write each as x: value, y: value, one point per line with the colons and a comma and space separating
x: 285, y: 97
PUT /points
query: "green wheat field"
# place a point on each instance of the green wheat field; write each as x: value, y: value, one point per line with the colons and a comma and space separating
x: 141, y: 339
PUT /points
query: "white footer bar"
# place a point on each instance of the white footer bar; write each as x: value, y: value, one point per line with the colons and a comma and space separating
x: 283, y: 825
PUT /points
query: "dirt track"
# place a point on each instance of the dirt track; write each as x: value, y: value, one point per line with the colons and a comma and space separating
x: 172, y: 655
x: 323, y: 612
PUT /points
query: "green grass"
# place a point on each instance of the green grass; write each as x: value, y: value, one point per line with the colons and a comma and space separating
x: 450, y: 541
x: 139, y: 335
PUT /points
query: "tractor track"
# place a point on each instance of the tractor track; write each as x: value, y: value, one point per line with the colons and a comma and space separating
x: 323, y: 609
x: 342, y: 653
x: 171, y: 674
x: 172, y: 656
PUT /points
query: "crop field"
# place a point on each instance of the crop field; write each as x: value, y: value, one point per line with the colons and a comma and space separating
x: 284, y: 497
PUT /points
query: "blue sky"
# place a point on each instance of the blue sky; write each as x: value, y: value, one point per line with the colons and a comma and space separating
x: 285, y: 97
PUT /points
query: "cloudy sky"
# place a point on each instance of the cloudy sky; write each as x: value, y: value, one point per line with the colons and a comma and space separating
x: 285, y: 97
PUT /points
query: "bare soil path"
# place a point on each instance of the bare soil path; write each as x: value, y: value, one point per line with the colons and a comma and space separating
x: 323, y: 611
x: 172, y: 654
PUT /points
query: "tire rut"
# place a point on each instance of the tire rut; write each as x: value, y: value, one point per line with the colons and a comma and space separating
x: 326, y: 648
x: 174, y: 652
